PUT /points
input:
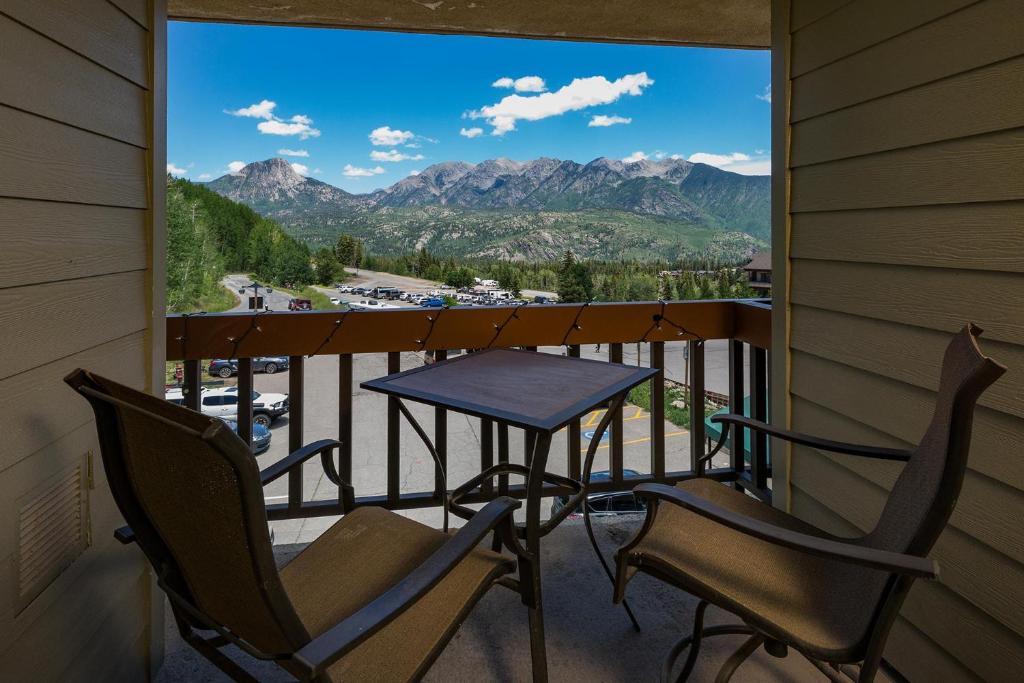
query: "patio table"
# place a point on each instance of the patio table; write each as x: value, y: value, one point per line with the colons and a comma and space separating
x: 539, y: 393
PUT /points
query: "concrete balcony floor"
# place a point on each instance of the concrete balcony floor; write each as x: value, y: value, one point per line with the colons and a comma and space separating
x: 588, y: 638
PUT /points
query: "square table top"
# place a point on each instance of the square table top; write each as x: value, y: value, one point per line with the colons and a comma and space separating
x: 526, y: 389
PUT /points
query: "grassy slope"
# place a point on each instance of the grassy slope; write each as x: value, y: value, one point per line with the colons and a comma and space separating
x: 529, y: 235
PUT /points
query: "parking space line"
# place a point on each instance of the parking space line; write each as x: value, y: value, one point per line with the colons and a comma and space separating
x: 595, y: 416
x: 642, y: 440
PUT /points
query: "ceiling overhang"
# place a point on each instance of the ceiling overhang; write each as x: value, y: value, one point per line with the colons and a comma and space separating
x: 714, y: 23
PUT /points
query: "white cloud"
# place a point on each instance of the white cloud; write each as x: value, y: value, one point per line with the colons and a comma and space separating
x: 236, y: 166
x: 261, y: 110
x: 718, y: 160
x: 737, y: 162
x: 635, y: 157
x: 176, y: 170
x: 293, y: 152
x: 394, y: 155
x: 754, y: 167
x: 602, y: 121
x: 299, y: 125
x: 389, y: 137
x: 205, y: 176
x: 524, y: 84
x: 351, y: 171
x: 471, y: 132
x: 767, y: 95
x: 317, y: 171
x: 676, y: 156
x: 579, y: 94
x: 530, y: 84
x: 414, y: 172
x: 301, y: 169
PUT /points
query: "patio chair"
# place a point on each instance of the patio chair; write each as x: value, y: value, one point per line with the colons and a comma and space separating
x: 375, y: 598
x: 793, y: 585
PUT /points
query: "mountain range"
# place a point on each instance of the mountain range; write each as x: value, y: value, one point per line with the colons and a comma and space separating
x: 667, y: 206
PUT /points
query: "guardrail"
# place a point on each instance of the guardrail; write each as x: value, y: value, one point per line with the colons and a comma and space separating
x: 299, y: 335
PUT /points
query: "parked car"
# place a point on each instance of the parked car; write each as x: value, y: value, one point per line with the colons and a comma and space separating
x: 344, y: 289
x: 176, y: 396
x: 432, y: 302
x: 224, y: 403
x: 300, y: 305
x: 369, y: 305
x: 260, y: 436
x: 220, y: 367
x: 605, y: 504
x: 336, y: 301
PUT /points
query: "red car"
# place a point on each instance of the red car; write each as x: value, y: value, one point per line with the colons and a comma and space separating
x: 300, y: 305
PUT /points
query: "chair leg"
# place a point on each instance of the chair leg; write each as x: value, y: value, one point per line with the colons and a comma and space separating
x: 695, y: 639
x: 746, y: 649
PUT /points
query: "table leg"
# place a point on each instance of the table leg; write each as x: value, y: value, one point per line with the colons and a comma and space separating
x: 438, y: 461
x: 613, y: 407
x: 529, y: 566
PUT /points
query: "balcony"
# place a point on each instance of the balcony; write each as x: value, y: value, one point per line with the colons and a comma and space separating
x: 713, y: 351
x: 331, y: 352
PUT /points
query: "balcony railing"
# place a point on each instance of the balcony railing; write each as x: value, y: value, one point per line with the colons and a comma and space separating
x: 435, y: 332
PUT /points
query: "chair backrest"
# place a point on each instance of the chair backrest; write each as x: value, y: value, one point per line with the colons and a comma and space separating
x: 190, y: 490
x: 927, y: 489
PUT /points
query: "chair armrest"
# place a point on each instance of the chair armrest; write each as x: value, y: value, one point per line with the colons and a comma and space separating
x: 296, y: 458
x: 814, y: 441
x: 343, y: 637
x: 897, y: 563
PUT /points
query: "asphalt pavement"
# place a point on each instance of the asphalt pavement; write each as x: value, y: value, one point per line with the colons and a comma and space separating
x: 417, y: 470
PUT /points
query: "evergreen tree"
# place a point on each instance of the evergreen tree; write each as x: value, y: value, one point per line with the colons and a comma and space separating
x: 328, y: 268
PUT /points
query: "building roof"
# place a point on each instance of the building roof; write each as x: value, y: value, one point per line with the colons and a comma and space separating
x: 762, y: 261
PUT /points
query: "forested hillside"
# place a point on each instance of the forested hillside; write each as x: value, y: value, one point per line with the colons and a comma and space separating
x: 208, y: 235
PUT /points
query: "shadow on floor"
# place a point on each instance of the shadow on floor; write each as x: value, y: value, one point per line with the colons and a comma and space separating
x: 588, y: 638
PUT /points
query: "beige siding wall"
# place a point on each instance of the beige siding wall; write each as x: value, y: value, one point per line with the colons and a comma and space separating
x: 906, y: 219
x: 77, y: 164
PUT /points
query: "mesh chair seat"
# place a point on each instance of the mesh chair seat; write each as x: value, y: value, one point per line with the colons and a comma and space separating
x: 359, y: 558
x: 806, y: 600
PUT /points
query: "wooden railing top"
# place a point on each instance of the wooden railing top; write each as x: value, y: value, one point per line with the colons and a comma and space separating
x: 240, y: 335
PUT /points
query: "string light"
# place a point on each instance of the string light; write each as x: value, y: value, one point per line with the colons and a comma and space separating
x: 660, y: 317
x: 253, y: 325
x: 184, y: 332
x: 499, y: 328
x: 433, y: 321
x: 575, y: 324
x: 337, y: 325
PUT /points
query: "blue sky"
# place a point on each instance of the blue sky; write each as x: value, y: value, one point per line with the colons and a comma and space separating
x: 362, y: 109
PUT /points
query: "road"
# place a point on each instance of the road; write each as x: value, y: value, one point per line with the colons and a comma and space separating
x: 370, y: 423
x: 369, y: 472
x: 275, y: 301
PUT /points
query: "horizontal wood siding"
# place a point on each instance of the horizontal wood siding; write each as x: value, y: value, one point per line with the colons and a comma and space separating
x: 75, y: 263
x: 906, y: 221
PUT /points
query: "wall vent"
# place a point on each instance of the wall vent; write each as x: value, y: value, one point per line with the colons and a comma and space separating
x: 52, y: 532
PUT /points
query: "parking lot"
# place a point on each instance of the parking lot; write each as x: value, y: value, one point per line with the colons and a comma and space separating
x: 369, y: 452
